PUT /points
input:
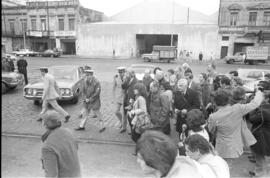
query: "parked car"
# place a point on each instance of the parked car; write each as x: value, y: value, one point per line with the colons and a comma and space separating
x: 251, y: 77
x: 11, y: 80
x: 237, y: 57
x: 25, y: 52
x: 50, y: 53
x: 68, y: 78
x: 140, y: 70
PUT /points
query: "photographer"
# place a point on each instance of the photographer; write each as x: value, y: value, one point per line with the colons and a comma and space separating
x: 260, y: 119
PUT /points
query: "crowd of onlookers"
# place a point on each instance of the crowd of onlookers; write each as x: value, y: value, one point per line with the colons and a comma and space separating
x: 216, y: 108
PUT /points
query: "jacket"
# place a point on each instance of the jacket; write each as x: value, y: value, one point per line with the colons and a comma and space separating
x: 159, y: 108
x: 92, y: 91
x: 260, y: 119
x: 60, y: 154
x: 128, y: 86
x: 22, y: 64
x: 226, y: 125
x: 51, y: 89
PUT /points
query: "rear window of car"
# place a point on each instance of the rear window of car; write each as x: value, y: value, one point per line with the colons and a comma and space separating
x: 254, y: 74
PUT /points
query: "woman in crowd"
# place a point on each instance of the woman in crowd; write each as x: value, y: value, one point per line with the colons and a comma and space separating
x: 139, y: 111
x: 199, y: 149
x: 157, y: 155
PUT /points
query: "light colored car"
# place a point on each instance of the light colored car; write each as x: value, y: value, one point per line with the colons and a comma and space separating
x: 25, y: 52
x: 251, y: 77
x: 237, y: 57
x: 50, y: 53
x: 11, y: 80
x: 140, y: 70
x: 68, y: 78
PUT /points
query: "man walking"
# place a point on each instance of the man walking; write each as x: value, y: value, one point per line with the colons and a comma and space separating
x: 91, y: 97
x: 22, y: 68
x: 59, y: 150
x: 51, y: 94
x: 118, y: 96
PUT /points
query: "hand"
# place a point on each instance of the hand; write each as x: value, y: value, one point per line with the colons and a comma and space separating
x: 176, y: 111
x: 87, y: 100
x: 184, y: 111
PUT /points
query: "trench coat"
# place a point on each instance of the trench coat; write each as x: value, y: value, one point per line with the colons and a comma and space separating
x: 92, y: 91
x: 260, y: 120
x: 60, y: 154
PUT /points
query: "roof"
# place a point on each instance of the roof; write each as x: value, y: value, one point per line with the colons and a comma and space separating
x: 162, y: 12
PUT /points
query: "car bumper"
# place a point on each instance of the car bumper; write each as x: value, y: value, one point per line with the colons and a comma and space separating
x: 64, y: 98
x: 14, y: 84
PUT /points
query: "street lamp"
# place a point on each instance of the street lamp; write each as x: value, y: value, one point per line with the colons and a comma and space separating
x: 172, y: 21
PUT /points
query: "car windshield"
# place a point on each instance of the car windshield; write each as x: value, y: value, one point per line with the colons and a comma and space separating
x: 64, y: 73
x: 141, y: 69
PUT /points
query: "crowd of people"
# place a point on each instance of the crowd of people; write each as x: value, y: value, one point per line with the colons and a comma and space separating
x: 210, y: 117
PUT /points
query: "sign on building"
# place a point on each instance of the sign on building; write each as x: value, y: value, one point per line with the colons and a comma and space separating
x: 64, y: 33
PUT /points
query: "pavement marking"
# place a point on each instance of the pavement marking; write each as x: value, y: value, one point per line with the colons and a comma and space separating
x: 83, y: 140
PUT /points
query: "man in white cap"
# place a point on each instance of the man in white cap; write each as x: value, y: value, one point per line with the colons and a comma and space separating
x: 118, y: 96
x: 91, y: 95
x: 50, y: 94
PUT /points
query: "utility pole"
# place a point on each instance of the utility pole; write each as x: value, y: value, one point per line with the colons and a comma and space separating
x: 23, y: 27
x: 48, y: 19
x: 172, y: 21
x: 188, y: 16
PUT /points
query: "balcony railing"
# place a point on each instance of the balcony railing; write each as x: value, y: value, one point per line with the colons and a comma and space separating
x: 243, y: 29
x: 39, y: 33
x: 11, y: 34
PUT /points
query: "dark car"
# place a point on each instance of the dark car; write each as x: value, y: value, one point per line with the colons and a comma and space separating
x: 10, y: 80
x: 50, y: 53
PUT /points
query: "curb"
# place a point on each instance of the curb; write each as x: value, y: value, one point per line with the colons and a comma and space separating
x: 80, y: 139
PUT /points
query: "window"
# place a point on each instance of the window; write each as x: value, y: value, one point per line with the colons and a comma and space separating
x: 252, y: 18
x: 266, y: 18
x: 234, y: 17
x: 71, y: 23
x: 43, y: 24
x: 61, y: 24
x: 33, y: 24
x: 24, y: 25
x: 12, y: 26
x: 225, y: 38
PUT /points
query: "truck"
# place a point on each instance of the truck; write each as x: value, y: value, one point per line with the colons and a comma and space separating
x: 256, y: 54
x: 161, y: 53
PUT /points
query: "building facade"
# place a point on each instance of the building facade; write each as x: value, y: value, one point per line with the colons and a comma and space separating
x: 243, y: 23
x: 50, y: 24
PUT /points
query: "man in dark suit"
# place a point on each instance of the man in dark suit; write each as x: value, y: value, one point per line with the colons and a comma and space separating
x: 128, y: 85
x: 194, y: 86
x: 22, y: 68
x: 185, y: 99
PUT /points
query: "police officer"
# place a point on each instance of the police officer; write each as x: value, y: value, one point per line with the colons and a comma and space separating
x: 22, y: 68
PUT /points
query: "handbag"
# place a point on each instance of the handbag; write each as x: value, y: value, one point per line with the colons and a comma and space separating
x: 143, y: 123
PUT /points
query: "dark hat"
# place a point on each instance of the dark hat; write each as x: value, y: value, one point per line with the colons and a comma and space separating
x: 52, y: 119
x: 267, y: 75
x: 87, y: 68
x: 90, y: 71
x: 43, y: 69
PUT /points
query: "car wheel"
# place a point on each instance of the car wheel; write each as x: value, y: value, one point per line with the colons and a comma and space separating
x: 52, y: 55
x: 27, y: 55
x: 37, y: 102
x: 230, y: 61
x: 4, y: 88
x: 168, y: 60
x: 76, y: 98
x: 12, y: 88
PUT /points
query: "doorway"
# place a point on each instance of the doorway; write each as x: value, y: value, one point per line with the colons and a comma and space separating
x: 224, y: 52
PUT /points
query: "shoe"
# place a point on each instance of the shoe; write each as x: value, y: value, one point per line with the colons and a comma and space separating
x: 102, y: 130
x: 80, y: 116
x: 123, y: 130
x: 251, y: 157
x: 252, y: 161
x: 67, y: 118
x: 94, y: 116
x: 39, y: 119
x: 79, y: 128
x: 251, y: 173
x: 129, y: 133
